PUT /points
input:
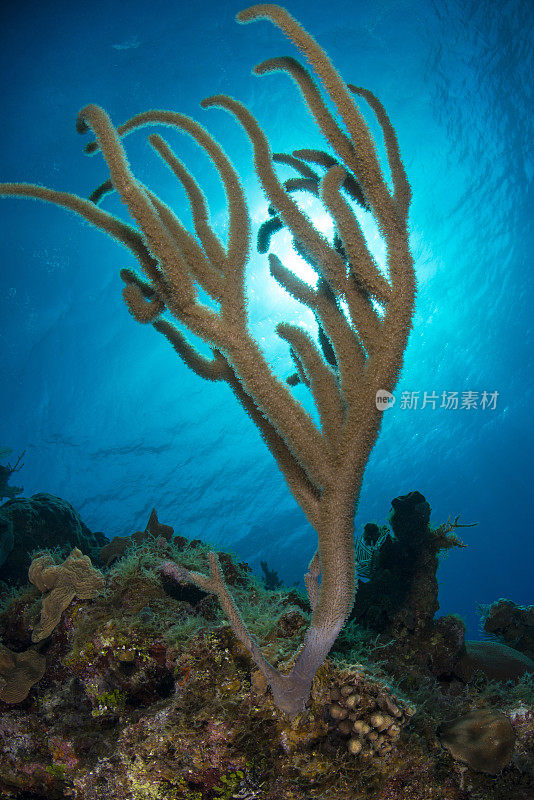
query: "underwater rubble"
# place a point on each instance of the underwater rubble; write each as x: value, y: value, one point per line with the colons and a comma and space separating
x: 118, y: 679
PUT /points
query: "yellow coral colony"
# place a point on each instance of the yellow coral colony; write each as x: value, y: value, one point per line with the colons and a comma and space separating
x: 323, y: 465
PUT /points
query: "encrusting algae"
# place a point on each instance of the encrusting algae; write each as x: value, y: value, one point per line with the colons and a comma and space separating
x: 148, y: 693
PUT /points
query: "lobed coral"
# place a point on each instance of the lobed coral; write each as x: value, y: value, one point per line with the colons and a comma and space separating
x: 60, y: 584
x: 369, y: 714
x: 18, y: 673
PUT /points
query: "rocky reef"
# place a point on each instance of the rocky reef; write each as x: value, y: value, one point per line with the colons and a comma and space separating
x: 129, y: 683
x: 511, y: 624
x: 42, y: 521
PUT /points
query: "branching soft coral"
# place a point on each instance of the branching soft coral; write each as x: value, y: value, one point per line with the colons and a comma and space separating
x: 323, y: 465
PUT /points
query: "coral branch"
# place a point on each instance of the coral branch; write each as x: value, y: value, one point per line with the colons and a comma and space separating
x: 363, y: 314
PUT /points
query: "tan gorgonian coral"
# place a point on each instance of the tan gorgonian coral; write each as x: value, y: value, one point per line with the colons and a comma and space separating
x: 323, y: 465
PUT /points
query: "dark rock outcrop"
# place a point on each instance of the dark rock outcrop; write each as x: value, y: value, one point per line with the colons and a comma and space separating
x: 42, y: 521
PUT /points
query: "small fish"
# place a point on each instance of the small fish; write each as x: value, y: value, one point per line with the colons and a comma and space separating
x: 128, y: 44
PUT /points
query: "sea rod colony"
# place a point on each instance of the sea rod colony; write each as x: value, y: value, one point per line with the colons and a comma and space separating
x: 323, y: 465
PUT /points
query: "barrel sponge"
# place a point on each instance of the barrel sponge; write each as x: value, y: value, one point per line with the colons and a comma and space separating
x: 483, y: 739
x: 18, y: 673
x: 60, y: 584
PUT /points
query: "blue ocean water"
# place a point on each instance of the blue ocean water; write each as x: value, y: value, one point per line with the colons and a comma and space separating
x: 113, y: 422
